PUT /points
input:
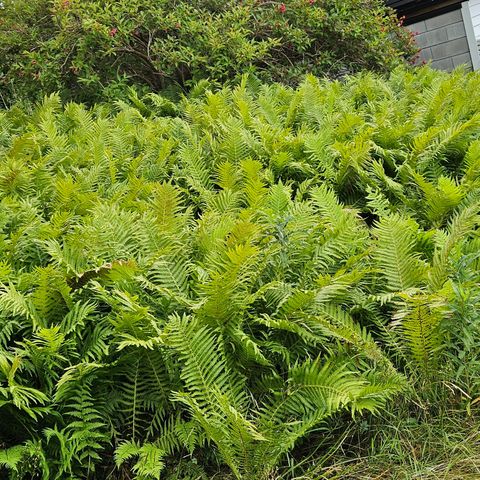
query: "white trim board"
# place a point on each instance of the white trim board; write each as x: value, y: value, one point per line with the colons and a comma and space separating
x: 472, y: 42
x: 475, y: 13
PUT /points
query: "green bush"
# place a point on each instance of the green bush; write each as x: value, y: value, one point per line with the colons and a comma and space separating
x: 91, y: 50
x: 196, y: 287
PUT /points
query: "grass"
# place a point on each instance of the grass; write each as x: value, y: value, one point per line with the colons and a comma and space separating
x: 399, y: 448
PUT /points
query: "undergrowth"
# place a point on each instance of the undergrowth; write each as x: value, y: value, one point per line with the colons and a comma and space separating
x: 258, y: 282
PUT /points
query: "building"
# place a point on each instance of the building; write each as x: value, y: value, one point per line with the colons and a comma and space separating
x: 448, y: 31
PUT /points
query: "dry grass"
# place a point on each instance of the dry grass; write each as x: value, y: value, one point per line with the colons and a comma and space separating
x: 436, y: 449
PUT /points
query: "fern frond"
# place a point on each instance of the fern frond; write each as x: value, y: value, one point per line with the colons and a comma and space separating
x: 149, y: 464
x: 11, y: 457
x: 204, y: 369
x: 395, y: 253
x: 419, y: 320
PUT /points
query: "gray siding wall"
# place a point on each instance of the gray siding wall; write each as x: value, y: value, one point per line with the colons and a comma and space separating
x: 475, y: 12
x: 443, y: 40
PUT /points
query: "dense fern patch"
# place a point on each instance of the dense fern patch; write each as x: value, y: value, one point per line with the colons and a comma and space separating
x: 196, y: 287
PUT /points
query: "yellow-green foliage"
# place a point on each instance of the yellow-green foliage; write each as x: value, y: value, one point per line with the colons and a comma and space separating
x: 215, y: 279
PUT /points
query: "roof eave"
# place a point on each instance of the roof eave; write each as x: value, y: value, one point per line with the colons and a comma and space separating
x: 416, y: 10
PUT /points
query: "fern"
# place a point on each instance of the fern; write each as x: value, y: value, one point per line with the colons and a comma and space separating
x: 420, y: 322
x: 149, y: 462
x: 395, y: 253
x: 214, y: 279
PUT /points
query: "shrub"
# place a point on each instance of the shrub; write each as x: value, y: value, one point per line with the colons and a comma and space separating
x: 90, y: 50
x: 215, y: 283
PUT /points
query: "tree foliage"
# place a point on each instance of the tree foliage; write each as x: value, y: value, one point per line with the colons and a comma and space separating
x: 91, y: 50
